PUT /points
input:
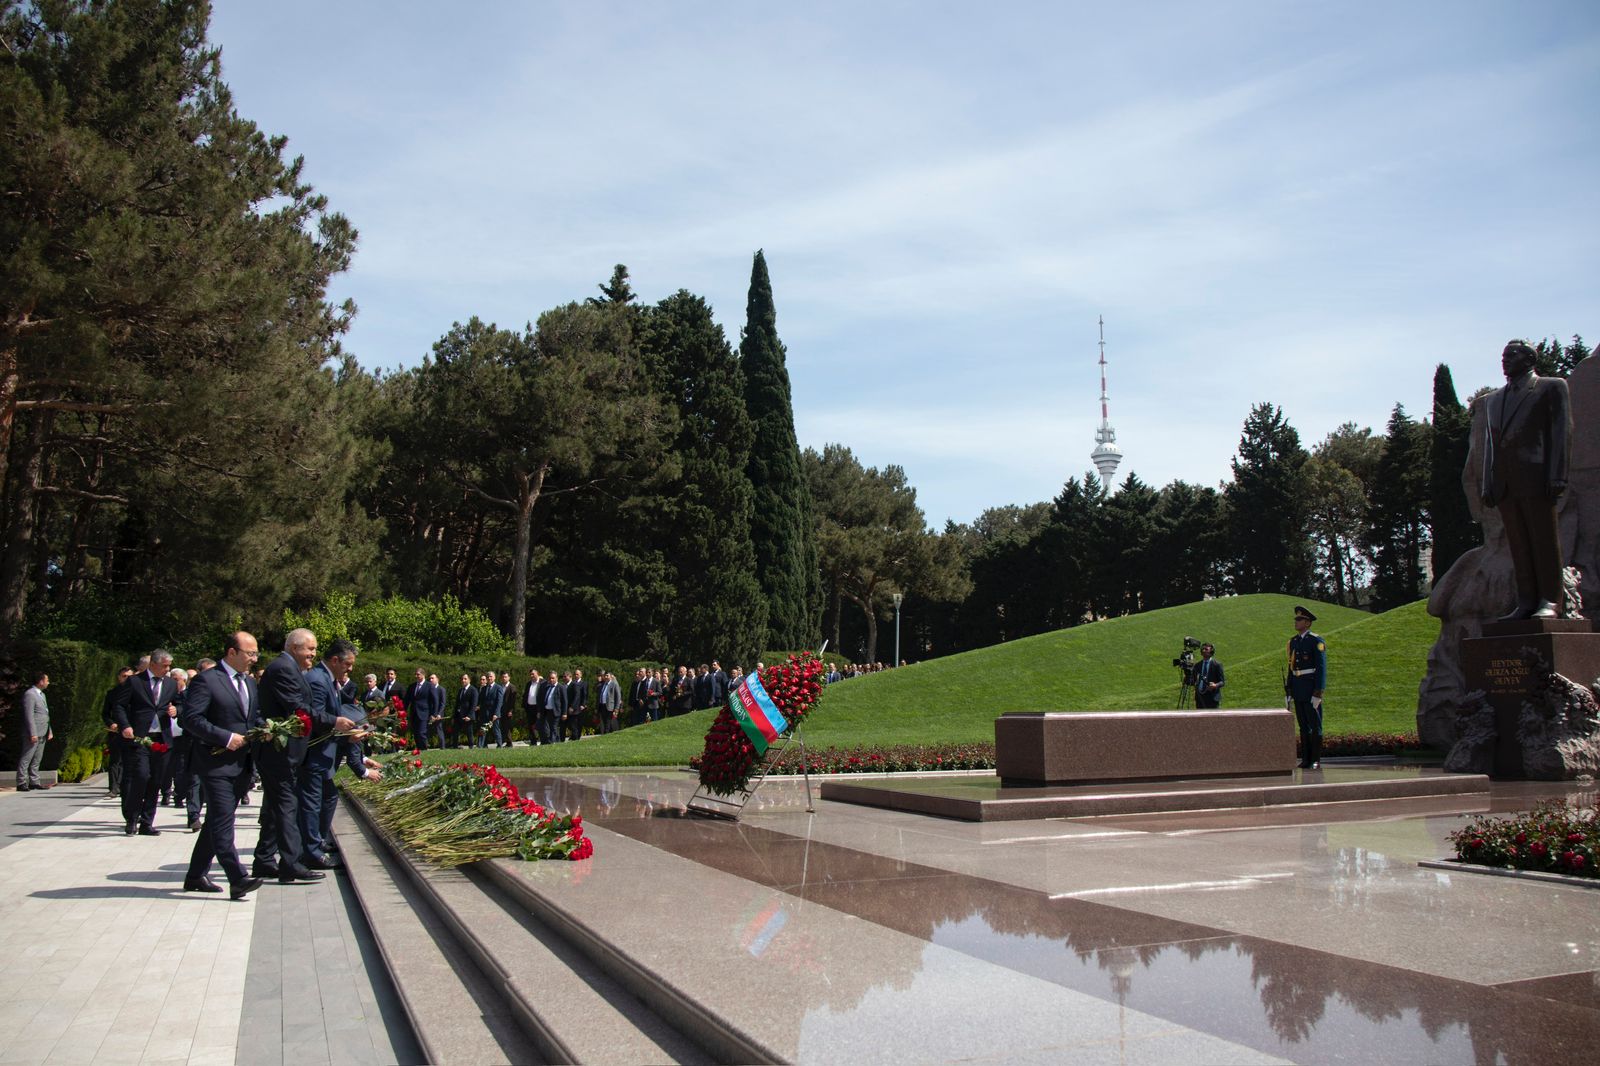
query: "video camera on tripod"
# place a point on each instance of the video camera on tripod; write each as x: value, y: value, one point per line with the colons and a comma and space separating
x: 1187, y: 663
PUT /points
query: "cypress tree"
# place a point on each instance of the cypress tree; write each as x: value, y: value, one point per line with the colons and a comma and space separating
x: 717, y: 609
x: 1454, y: 532
x: 782, y: 527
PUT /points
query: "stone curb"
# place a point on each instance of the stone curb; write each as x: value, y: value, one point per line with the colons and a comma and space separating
x: 1457, y: 866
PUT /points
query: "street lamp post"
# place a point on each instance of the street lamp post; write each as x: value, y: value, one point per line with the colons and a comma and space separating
x: 897, y: 598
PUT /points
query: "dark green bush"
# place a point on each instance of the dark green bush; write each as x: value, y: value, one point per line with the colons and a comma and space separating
x: 79, y: 673
x: 443, y: 626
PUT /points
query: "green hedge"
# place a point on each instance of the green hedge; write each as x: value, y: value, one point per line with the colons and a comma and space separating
x: 80, y: 674
x: 445, y: 624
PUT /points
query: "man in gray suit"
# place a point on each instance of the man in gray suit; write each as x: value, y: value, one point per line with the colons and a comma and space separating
x: 35, y: 731
x: 1525, y: 457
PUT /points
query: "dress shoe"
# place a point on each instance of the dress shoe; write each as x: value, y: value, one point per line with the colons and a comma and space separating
x: 41, y: 788
x: 243, y: 888
x: 205, y: 884
x: 1546, y: 609
x: 148, y: 830
x: 289, y: 875
x: 326, y: 862
x: 24, y: 788
x: 128, y: 829
x: 194, y: 826
x: 264, y: 869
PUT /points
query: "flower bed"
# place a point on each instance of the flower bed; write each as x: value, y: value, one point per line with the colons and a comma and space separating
x: 1555, y: 837
x: 921, y: 758
x: 466, y: 812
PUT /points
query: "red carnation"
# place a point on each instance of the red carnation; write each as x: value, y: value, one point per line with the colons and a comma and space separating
x: 159, y: 748
x: 305, y: 721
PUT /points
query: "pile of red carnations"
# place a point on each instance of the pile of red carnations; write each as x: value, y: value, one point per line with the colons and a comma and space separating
x: 729, y: 757
x: 450, y: 815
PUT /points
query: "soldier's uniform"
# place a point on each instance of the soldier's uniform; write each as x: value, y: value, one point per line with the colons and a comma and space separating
x: 1308, y: 675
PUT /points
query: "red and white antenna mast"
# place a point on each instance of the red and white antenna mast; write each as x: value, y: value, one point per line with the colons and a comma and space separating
x: 1106, y: 454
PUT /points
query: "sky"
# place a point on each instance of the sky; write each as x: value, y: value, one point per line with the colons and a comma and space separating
x: 1311, y: 205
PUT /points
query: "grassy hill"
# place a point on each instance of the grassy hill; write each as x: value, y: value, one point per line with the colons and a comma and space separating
x: 1375, y: 663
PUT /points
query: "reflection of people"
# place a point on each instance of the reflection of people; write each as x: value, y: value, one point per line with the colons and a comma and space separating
x: 1208, y: 680
x: 1525, y: 455
x: 1308, y: 672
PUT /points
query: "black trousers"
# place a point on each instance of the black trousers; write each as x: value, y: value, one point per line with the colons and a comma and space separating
x: 1310, y: 721
x: 1535, y: 545
x: 280, y: 812
x: 142, y: 770
x: 215, y: 841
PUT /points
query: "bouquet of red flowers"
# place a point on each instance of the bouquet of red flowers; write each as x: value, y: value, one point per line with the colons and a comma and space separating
x: 282, y: 730
x: 731, y: 755
x: 153, y: 744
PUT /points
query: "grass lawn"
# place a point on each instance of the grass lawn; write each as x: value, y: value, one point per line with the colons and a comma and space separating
x: 1375, y: 663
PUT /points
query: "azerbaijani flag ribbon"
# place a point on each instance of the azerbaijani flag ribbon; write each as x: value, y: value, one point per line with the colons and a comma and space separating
x: 757, y: 715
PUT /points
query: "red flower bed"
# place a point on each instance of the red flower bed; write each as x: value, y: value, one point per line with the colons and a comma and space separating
x: 1554, y: 837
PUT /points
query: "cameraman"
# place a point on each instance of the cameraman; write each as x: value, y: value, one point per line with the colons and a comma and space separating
x: 1208, y: 680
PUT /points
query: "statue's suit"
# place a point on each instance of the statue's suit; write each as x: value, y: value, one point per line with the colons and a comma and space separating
x: 1525, y: 457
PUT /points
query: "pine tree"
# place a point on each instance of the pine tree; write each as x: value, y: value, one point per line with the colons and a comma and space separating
x: 1454, y: 531
x: 782, y: 526
x: 1397, y: 513
x: 1267, y: 530
x: 704, y: 517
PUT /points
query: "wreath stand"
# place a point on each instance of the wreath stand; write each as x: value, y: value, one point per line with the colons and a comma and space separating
x: 729, y: 807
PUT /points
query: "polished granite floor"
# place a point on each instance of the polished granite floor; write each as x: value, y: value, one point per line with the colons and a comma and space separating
x: 1298, y: 933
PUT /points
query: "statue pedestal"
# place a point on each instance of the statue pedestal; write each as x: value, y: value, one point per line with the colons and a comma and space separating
x: 1507, y: 661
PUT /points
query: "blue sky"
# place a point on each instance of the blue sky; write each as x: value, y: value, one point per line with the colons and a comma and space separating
x: 1307, y: 204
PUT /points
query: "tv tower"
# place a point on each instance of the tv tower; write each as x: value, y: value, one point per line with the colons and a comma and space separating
x: 1106, y: 454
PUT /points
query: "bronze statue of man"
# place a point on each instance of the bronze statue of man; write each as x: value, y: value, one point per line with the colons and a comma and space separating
x: 1526, y: 449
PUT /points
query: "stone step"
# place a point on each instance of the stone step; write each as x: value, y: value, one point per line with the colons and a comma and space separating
x: 563, y: 1002
x: 456, y: 1012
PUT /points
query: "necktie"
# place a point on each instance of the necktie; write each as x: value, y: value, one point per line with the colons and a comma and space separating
x: 244, y: 699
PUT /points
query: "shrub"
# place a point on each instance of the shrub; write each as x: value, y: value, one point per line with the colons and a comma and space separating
x: 443, y: 626
x: 80, y: 764
x: 1554, y: 837
x: 79, y: 673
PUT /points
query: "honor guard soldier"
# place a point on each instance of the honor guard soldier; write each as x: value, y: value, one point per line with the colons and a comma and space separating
x: 1308, y: 673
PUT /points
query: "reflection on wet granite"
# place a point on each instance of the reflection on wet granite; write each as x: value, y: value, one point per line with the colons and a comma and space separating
x: 1302, y: 1004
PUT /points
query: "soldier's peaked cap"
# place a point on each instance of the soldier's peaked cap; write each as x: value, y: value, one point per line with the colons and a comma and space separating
x: 1301, y: 612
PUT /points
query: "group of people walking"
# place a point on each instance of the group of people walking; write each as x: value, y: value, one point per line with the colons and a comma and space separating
x: 203, y: 735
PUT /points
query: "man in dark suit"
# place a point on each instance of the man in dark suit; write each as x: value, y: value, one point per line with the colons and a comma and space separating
x: 552, y: 705
x: 284, y: 692
x: 143, y: 711
x: 389, y: 687
x: 315, y: 777
x: 223, y: 705
x: 700, y: 687
x: 112, y: 734
x: 491, y: 697
x: 1525, y: 458
x: 577, y: 706
x: 719, y: 684
x: 419, y: 708
x: 465, y: 724
x: 1208, y: 680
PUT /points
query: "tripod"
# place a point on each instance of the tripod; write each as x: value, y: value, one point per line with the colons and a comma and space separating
x: 1185, y: 692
